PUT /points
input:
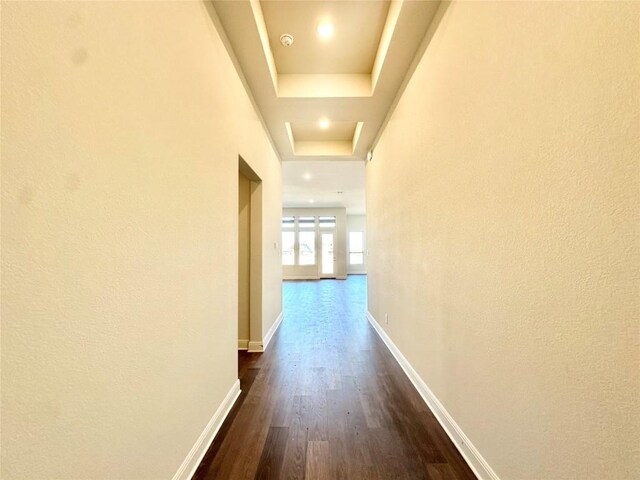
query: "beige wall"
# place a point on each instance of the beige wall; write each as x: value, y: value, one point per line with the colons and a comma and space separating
x: 244, y: 257
x: 502, y: 206
x: 122, y: 123
x: 313, y: 272
x: 357, y: 223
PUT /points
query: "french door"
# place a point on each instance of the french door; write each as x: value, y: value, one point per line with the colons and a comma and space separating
x: 328, y: 259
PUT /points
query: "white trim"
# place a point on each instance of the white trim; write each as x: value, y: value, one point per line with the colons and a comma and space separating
x: 258, y: 346
x: 300, y: 277
x: 272, y: 331
x: 243, y: 344
x: 468, y: 451
x: 191, y: 463
x: 334, y: 277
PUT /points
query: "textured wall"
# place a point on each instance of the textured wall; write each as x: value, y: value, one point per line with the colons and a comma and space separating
x: 121, y: 128
x: 502, y: 206
x: 244, y: 256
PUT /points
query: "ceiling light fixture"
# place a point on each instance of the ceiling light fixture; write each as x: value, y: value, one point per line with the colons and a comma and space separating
x: 325, y: 30
x: 324, y: 123
x: 307, y: 176
x: 310, y: 201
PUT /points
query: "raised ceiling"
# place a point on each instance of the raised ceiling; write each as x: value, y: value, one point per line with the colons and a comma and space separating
x: 309, y: 131
x: 349, y: 50
x: 350, y: 79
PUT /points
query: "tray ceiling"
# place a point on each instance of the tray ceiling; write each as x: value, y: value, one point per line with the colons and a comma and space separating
x: 325, y: 98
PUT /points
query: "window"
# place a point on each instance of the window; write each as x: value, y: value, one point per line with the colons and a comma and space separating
x: 356, y: 248
x: 327, y: 222
x: 307, y: 247
x: 306, y: 222
x: 288, y: 253
x: 288, y: 222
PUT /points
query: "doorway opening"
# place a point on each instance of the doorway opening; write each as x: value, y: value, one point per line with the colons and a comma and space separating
x: 249, y: 258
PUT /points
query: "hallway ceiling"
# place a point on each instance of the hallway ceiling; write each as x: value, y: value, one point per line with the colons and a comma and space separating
x: 350, y: 80
x: 350, y: 50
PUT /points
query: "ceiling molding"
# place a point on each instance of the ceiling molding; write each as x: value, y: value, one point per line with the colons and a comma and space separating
x: 353, y: 77
x: 426, y: 41
x: 327, y: 85
x: 385, y: 41
x: 211, y: 11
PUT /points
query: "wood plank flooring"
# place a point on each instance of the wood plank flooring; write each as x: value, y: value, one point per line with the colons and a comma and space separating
x: 327, y: 401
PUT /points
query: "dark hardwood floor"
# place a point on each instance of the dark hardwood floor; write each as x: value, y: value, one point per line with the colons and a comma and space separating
x: 328, y: 401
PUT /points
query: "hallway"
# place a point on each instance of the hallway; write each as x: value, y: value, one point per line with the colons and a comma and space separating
x: 184, y: 182
x: 328, y: 401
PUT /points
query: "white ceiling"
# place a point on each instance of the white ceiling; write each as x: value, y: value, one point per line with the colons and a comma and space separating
x: 301, y: 83
x: 351, y: 79
x: 352, y: 49
x: 321, y: 181
x: 309, y: 131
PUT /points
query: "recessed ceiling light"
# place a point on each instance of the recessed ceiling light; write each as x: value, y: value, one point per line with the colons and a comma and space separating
x: 324, y: 123
x: 325, y: 30
x: 307, y: 176
x: 310, y: 201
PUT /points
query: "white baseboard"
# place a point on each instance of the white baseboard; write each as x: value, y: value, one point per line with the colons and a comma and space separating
x: 468, y: 451
x: 190, y: 464
x: 292, y: 278
x: 243, y: 344
x: 262, y: 346
x: 272, y: 331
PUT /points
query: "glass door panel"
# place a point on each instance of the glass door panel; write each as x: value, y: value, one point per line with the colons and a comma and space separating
x: 328, y: 260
